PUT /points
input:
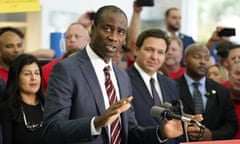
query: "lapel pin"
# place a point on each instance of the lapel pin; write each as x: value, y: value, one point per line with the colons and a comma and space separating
x: 213, y: 92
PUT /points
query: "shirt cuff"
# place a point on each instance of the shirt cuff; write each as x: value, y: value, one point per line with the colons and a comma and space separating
x: 160, y: 138
x: 94, y: 131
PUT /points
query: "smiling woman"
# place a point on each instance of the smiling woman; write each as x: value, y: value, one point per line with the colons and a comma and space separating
x: 218, y: 73
x: 22, y: 102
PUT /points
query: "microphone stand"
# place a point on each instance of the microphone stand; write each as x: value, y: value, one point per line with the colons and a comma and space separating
x: 179, y: 105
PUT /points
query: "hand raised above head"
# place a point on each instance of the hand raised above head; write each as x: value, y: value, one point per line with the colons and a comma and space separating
x: 137, y: 9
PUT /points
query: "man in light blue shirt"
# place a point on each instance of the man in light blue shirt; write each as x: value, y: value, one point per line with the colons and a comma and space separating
x: 218, y: 113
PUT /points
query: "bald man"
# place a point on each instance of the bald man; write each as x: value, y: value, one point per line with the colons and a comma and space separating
x: 77, y: 36
x: 11, y: 46
x: 207, y: 98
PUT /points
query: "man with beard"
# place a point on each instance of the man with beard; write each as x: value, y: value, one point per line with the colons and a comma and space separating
x: 173, y: 25
x: 202, y: 96
x: 173, y: 58
x: 11, y: 46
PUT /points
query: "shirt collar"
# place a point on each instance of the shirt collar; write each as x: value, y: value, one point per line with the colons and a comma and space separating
x: 144, y: 75
x: 96, y: 60
x: 189, y: 80
x: 170, y: 34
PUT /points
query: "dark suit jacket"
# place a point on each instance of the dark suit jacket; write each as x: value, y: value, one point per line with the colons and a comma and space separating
x: 74, y: 97
x: 186, y: 40
x: 219, y: 115
x: 5, y: 121
x: 2, y: 86
x: 143, y: 101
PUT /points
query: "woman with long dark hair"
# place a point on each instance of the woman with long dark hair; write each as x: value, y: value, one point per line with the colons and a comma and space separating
x: 21, y: 108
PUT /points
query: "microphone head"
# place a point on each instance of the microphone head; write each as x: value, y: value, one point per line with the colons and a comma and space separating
x: 167, y: 105
x: 156, y: 111
x: 170, y: 107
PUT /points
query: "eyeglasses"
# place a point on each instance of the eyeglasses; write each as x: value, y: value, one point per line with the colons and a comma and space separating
x: 31, y: 126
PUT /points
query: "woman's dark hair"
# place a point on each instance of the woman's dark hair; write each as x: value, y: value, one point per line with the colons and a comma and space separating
x: 12, y: 92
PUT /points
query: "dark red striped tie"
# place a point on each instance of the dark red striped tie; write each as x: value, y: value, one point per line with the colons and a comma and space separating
x: 115, y: 126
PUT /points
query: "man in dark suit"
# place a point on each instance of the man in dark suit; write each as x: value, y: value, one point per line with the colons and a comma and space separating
x: 2, y: 86
x: 152, y: 46
x: 79, y: 102
x: 213, y: 101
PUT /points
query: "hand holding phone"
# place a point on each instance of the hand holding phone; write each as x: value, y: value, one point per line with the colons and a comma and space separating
x: 145, y: 3
x: 227, y: 32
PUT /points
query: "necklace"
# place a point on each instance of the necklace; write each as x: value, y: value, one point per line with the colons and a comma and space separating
x: 31, y: 126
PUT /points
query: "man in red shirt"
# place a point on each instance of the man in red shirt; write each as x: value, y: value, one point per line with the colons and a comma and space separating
x: 233, y: 57
x: 11, y: 46
x: 234, y: 87
x: 76, y: 37
x: 173, y: 58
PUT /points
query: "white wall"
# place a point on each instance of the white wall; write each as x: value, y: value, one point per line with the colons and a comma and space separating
x: 190, y: 18
x: 71, y: 9
x: 56, y: 15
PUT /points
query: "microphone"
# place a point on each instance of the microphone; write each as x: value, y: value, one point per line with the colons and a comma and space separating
x: 173, y: 108
x: 157, y: 111
x: 167, y: 105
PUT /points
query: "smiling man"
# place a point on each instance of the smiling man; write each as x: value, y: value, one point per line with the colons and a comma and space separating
x: 150, y: 87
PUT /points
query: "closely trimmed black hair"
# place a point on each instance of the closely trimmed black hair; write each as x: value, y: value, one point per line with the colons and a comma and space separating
x: 223, y: 48
x: 169, y: 10
x: 12, y: 29
x: 103, y: 9
x: 234, y: 46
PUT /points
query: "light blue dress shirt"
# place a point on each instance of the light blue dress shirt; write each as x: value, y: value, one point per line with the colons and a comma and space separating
x: 202, y: 88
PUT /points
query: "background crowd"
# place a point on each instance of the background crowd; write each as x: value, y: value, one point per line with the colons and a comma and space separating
x: 68, y: 99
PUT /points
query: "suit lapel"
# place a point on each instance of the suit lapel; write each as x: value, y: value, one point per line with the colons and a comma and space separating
x: 91, y: 79
x: 163, y: 88
x: 119, y: 81
x: 211, y: 97
x: 122, y: 94
x: 139, y: 84
x: 186, y: 95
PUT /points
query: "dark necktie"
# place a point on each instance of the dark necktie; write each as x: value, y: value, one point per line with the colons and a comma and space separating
x: 115, y: 126
x: 197, y: 99
x: 155, y: 95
